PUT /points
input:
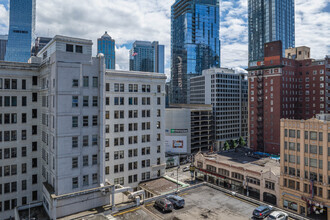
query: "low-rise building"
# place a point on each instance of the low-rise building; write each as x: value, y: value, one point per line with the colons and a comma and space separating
x: 188, y: 128
x: 241, y: 172
x: 305, y: 166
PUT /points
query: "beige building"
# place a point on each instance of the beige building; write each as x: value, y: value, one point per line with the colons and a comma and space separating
x: 305, y: 166
x: 298, y: 53
x: 241, y: 172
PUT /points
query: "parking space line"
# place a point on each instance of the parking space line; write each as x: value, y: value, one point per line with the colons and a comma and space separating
x: 150, y: 204
x: 150, y: 212
x: 131, y: 210
x: 183, y: 194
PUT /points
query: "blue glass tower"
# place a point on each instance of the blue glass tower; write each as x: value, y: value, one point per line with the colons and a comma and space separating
x: 147, y: 56
x: 106, y: 45
x: 270, y: 20
x: 21, y: 34
x: 195, y: 43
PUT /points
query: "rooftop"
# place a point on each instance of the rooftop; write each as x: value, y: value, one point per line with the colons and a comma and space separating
x: 190, y: 106
x: 159, y: 186
x: 245, y: 160
x: 124, y: 73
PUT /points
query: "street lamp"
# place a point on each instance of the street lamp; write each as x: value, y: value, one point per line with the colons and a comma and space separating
x: 177, y: 179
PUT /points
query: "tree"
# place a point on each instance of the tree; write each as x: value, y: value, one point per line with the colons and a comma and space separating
x: 226, y: 146
x: 241, y: 142
x: 233, y: 144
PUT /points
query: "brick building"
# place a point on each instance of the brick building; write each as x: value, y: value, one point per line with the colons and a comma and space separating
x: 281, y: 87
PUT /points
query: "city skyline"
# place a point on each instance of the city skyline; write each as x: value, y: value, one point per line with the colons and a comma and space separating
x: 132, y: 23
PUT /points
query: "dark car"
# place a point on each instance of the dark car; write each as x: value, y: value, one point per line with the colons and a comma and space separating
x: 164, y: 205
x: 262, y: 212
x: 177, y: 201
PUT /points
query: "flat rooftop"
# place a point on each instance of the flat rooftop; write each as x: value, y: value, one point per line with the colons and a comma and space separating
x: 160, y: 186
x: 246, y: 160
x: 200, y: 203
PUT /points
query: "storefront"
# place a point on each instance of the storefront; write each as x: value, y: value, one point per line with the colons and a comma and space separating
x: 315, y: 210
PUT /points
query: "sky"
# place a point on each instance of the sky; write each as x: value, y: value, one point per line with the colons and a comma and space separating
x: 128, y: 20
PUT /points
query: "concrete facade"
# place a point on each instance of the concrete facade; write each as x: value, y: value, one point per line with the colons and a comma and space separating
x: 305, y: 167
x: 193, y: 121
x: 227, y: 92
x: 55, y: 136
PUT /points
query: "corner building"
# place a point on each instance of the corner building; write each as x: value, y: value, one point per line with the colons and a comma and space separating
x: 305, y: 166
x: 281, y: 87
x: 60, y: 140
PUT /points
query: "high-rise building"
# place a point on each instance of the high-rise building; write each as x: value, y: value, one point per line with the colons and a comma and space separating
x: 3, y: 45
x: 147, y: 56
x: 270, y: 21
x: 21, y: 30
x: 227, y: 92
x: 280, y: 87
x: 70, y: 126
x: 106, y: 45
x: 305, y: 166
x: 195, y: 44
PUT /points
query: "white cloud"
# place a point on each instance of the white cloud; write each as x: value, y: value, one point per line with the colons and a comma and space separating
x: 127, y: 21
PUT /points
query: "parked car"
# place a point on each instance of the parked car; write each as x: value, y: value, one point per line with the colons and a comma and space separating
x: 262, y: 211
x: 164, y: 205
x: 186, y: 168
x: 177, y: 201
x: 277, y: 215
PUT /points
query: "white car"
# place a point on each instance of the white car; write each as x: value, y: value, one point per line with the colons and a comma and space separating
x: 277, y: 215
x: 186, y: 169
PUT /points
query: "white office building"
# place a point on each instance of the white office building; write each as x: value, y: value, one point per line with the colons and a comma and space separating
x: 227, y: 92
x: 68, y: 125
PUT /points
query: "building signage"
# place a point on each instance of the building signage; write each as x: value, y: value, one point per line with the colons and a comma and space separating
x: 176, y: 144
x: 179, y: 131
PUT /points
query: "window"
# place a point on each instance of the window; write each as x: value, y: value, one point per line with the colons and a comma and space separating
x: 292, y: 133
x: 95, y: 120
x: 158, y: 112
x: 85, y: 180
x: 74, y: 142
x: 34, y: 179
x: 85, y: 101
x: 95, y: 82
x: 74, y: 101
x: 313, y: 135
x: 107, y: 87
x: 159, y: 87
x: 85, y: 81
x: 74, y: 121
x: 94, y: 178
x: 158, y: 101
x: 75, y: 83
x: 85, y: 141
x: 74, y: 182
x: 85, y: 121
x: 313, y: 162
x: 313, y: 149
x: 107, y: 115
x: 69, y: 48
x: 94, y: 159
x: 95, y: 101
x: 306, y: 135
x: 24, y: 100
x: 74, y: 162
x: 79, y: 49
x: 94, y: 140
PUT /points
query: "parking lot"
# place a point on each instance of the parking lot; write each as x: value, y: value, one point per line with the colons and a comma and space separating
x: 200, y: 203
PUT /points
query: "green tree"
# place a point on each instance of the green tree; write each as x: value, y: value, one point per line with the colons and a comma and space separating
x: 226, y: 146
x: 233, y: 144
x: 241, y: 142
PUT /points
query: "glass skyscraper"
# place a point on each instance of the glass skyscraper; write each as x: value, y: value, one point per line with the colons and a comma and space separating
x: 21, y: 34
x: 147, y: 56
x: 195, y: 44
x: 106, y: 45
x: 270, y: 20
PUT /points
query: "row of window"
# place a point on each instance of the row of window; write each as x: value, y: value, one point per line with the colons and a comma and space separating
x: 85, y: 180
x: 12, y: 135
x: 311, y: 135
x: 131, y: 178
x: 131, y: 101
x: 12, y: 187
x: 75, y: 101
x: 11, y: 204
x: 11, y: 84
x: 85, y: 161
x: 295, y: 185
x: 11, y: 170
x: 120, y: 87
x: 120, y: 114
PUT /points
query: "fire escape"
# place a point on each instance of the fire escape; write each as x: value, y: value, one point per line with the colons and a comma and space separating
x: 260, y: 114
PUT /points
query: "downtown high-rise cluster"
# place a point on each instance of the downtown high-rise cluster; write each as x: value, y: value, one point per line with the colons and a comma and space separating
x: 72, y: 127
